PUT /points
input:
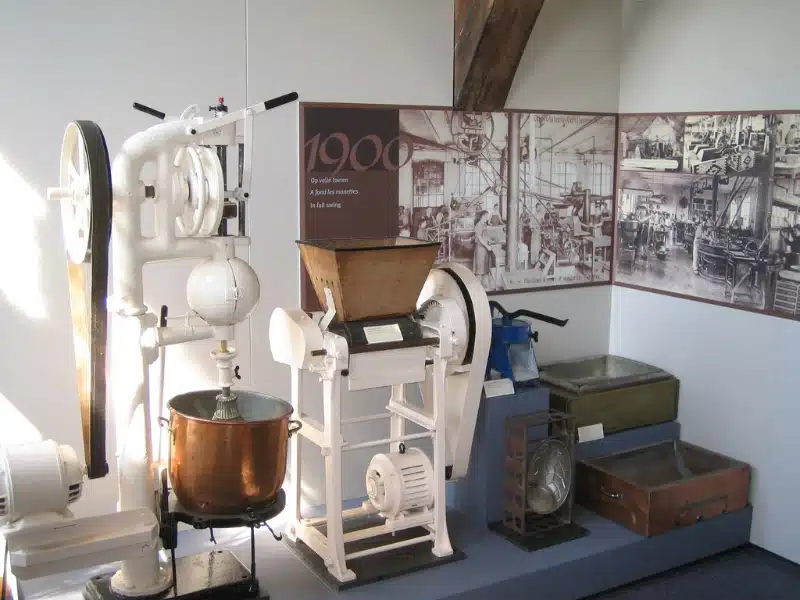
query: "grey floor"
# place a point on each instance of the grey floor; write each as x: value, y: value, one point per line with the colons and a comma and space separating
x: 747, y: 573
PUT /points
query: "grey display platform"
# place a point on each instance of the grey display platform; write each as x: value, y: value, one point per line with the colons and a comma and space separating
x: 610, y: 556
x: 478, y: 493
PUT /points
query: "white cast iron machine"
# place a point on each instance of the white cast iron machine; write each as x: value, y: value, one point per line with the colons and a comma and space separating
x: 101, y: 207
x: 381, y: 331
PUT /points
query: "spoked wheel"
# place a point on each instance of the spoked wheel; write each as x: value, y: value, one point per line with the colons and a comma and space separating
x: 85, y: 194
x: 85, y: 187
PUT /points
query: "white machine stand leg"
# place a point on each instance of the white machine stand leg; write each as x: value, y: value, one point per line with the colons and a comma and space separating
x: 441, y: 542
x: 145, y: 575
x: 333, y: 477
x: 293, y: 508
x: 397, y: 423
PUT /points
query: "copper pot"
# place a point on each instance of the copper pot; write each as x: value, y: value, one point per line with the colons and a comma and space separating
x: 228, y: 467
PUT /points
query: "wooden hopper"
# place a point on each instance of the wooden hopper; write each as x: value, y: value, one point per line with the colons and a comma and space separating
x: 369, y: 278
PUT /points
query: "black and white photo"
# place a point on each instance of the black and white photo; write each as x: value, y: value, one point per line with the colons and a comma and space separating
x: 724, y: 226
x: 785, y: 215
x: 546, y: 224
x: 727, y: 144
x: 651, y: 143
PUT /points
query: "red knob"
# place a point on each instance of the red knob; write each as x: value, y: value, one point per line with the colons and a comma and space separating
x: 221, y: 100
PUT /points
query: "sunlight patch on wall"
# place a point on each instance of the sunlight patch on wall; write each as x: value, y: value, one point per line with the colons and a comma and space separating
x: 15, y: 428
x: 20, y: 270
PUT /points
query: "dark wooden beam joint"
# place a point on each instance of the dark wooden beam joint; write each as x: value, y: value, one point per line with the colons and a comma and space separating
x: 490, y: 38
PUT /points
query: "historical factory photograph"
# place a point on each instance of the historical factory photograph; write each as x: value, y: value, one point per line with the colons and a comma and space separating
x: 785, y: 214
x: 723, y: 144
x: 725, y: 228
x: 649, y: 143
x: 548, y: 224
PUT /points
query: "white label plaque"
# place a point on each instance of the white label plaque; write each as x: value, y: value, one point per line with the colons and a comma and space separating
x: 498, y: 387
x: 381, y: 334
x: 590, y: 433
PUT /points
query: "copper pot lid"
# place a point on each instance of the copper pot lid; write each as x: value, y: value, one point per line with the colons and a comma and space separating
x: 253, y: 406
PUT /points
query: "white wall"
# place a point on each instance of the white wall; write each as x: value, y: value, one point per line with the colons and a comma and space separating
x: 571, y: 61
x: 738, y: 371
x: 398, y: 53
x: 347, y: 51
x: 60, y: 62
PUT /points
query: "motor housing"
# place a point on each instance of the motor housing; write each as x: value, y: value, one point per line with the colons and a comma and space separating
x: 400, y: 481
x: 38, y: 477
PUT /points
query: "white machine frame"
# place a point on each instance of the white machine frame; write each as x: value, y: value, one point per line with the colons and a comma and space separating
x: 55, y: 542
x: 134, y: 327
x: 451, y: 396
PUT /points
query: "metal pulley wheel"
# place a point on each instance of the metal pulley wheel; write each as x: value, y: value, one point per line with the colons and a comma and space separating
x: 443, y: 310
x: 201, y: 186
x: 445, y: 296
x: 85, y: 194
x: 85, y: 180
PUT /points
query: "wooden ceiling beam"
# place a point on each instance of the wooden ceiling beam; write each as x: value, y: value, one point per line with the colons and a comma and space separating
x: 490, y: 38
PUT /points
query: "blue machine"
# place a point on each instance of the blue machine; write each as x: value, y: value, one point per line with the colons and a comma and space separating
x: 512, y: 353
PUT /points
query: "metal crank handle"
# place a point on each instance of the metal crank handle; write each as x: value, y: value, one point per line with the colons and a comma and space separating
x: 149, y: 111
x: 613, y: 495
x: 280, y: 100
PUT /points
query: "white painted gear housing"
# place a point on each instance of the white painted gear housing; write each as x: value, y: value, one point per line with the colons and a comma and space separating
x: 453, y: 300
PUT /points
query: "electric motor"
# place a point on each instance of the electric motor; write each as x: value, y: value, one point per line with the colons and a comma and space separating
x: 400, y: 481
x: 38, y: 477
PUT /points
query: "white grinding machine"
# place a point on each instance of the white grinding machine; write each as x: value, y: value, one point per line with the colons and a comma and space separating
x: 178, y: 169
x: 391, y: 320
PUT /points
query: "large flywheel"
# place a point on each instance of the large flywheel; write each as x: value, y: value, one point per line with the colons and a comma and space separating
x: 85, y: 194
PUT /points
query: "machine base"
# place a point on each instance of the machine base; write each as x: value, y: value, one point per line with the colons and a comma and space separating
x: 215, y: 575
x: 551, y: 537
x: 375, y: 567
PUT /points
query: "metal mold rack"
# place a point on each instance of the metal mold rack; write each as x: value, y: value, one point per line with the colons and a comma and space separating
x: 525, y: 434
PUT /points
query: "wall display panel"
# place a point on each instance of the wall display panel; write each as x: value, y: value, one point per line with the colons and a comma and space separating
x: 707, y: 208
x: 524, y: 199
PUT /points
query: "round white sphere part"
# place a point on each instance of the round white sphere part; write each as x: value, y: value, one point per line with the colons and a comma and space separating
x: 223, y: 292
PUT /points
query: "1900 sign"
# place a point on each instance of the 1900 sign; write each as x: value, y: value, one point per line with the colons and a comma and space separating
x: 349, y: 175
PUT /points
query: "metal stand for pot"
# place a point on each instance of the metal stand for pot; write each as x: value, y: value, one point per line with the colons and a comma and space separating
x: 213, y: 575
